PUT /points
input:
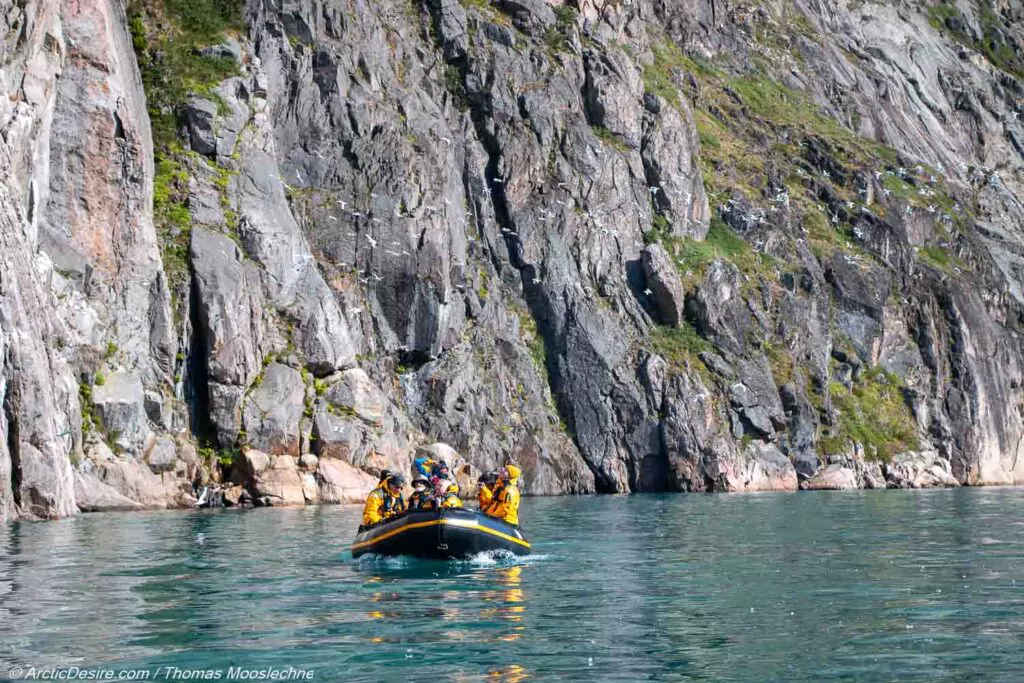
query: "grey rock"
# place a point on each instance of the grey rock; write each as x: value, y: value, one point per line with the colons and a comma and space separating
x: 119, y: 403
x: 229, y: 49
x: 614, y: 92
x: 761, y: 467
x: 231, y: 320
x: 159, y: 410
x: 530, y: 11
x: 669, y: 151
x: 918, y: 470
x: 493, y: 306
x: 133, y: 480
x: 237, y: 116
x: 718, y: 310
x: 272, y: 410
x: 802, y: 429
x: 357, y: 394
x: 200, y: 116
x: 230, y: 308
x: 162, y: 456
x: 272, y: 479
x: 92, y: 495
x: 666, y: 288
x: 340, y: 482
x: 452, y: 27
x: 835, y: 477
x: 92, y: 186
x: 337, y: 437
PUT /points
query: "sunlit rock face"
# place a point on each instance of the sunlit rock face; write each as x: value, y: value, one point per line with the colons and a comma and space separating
x: 629, y: 246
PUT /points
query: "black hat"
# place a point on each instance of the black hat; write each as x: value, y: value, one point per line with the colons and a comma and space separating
x: 396, y: 480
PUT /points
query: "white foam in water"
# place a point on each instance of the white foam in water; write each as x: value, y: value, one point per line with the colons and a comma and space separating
x: 501, y: 558
x: 389, y: 561
x: 492, y: 558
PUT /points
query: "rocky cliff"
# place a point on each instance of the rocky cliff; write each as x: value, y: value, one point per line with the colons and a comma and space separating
x: 682, y: 245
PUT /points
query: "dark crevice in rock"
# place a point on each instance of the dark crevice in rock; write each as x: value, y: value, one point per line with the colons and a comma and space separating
x: 11, y: 405
x: 119, y: 133
x: 30, y: 205
x: 413, y: 359
x: 537, y: 299
x: 197, y: 381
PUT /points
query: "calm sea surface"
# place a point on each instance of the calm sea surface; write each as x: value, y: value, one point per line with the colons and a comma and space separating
x: 853, y: 586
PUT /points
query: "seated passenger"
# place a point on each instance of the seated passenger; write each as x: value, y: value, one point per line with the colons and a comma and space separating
x: 485, y: 490
x: 423, y: 466
x: 451, y: 497
x: 505, y: 504
x: 441, y: 470
x: 420, y: 497
x: 385, y: 501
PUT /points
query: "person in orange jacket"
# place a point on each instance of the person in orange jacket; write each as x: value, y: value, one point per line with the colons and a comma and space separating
x: 505, y: 504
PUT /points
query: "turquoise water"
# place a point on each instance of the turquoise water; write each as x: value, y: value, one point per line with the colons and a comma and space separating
x: 853, y: 586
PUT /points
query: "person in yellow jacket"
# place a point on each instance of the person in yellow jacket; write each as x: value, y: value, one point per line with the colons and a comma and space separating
x: 505, y: 504
x: 485, y: 490
x: 451, y: 497
x: 385, y: 501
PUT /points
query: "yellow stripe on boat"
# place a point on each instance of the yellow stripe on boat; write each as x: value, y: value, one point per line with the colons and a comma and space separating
x: 434, y: 522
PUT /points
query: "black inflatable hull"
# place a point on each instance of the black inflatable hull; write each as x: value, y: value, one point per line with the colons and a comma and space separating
x: 455, y: 533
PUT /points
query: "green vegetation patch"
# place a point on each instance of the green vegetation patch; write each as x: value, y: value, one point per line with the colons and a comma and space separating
x: 667, y: 63
x: 692, y: 257
x: 996, y: 42
x: 168, y: 37
x: 534, y: 341
x: 610, y: 138
x: 556, y: 38
x: 86, y: 407
x: 681, y: 347
x: 873, y: 414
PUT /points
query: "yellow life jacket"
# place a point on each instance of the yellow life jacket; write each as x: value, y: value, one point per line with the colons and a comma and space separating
x: 484, y: 496
x: 505, y: 505
x: 451, y: 500
x: 380, y: 505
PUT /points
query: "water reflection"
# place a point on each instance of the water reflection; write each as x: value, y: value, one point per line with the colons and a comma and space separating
x: 908, y: 586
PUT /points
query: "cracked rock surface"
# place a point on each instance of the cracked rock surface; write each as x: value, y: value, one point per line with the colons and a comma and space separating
x: 673, y: 246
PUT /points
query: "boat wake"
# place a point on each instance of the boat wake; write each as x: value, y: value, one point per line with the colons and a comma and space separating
x: 499, y: 558
x: 490, y: 559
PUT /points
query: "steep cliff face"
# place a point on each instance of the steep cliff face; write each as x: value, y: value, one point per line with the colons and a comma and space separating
x: 632, y: 246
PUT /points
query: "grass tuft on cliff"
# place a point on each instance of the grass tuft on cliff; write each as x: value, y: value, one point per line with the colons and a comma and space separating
x: 996, y: 41
x: 874, y: 414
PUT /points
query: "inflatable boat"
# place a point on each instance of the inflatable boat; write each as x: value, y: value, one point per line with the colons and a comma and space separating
x: 454, y: 533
